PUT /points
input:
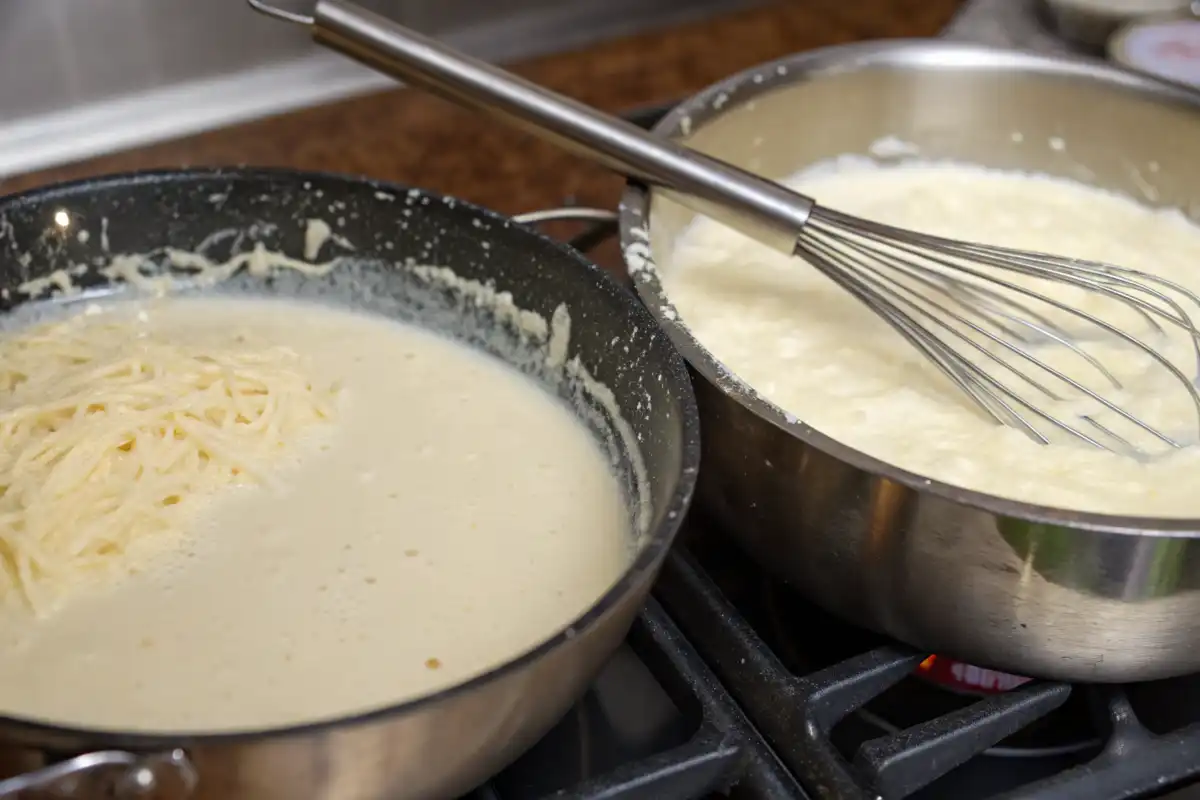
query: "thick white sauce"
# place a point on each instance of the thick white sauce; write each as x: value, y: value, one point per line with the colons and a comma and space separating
x: 819, y: 354
x: 458, y: 516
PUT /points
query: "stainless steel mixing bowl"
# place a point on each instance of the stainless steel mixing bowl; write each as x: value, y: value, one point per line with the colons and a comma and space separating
x: 1037, y: 591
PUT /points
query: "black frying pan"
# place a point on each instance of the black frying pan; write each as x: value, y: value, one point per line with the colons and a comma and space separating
x: 444, y: 744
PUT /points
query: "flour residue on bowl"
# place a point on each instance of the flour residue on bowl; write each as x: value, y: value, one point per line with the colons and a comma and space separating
x: 317, y: 233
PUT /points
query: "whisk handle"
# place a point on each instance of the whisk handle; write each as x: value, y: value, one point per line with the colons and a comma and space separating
x: 760, y: 208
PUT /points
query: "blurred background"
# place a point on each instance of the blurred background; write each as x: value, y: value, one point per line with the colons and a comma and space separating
x: 81, y: 77
x: 86, y: 78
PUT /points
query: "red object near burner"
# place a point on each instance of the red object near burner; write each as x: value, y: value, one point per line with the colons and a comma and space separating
x: 967, y: 679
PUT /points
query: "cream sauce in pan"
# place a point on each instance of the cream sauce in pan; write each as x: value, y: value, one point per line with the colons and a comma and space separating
x: 458, y: 516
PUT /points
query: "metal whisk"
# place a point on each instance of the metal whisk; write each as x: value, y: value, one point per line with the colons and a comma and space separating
x: 972, y: 310
x: 966, y: 306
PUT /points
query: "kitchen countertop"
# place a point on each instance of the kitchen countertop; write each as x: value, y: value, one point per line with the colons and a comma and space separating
x: 406, y: 136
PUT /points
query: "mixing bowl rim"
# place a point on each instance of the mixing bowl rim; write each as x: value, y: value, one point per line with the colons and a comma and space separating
x: 644, y: 566
x: 731, y: 93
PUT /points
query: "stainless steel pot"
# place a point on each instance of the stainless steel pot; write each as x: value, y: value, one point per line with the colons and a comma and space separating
x: 444, y: 744
x: 1031, y: 590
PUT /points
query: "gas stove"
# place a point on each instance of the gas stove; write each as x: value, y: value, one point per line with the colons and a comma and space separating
x: 730, y: 685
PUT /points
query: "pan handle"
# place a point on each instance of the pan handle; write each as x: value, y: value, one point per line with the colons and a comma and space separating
x: 281, y: 13
x: 566, y: 214
x: 604, y: 223
x: 128, y: 775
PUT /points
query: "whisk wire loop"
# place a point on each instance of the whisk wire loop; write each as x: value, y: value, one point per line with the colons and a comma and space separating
x: 964, y: 305
x: 987, y: 392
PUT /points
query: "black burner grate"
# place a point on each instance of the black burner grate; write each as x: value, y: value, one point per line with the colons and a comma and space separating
x: 724, y: 756
x: 798, y: 713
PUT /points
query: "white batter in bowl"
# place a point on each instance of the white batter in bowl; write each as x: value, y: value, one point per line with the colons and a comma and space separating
x: 820, y: 355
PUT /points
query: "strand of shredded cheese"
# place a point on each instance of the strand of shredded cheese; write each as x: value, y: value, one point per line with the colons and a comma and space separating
x: 111, y: 434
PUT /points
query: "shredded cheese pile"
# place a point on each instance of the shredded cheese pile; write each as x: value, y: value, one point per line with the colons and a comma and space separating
x: 110, y: 434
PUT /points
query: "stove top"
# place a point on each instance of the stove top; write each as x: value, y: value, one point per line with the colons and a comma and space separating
x: 730, y: 685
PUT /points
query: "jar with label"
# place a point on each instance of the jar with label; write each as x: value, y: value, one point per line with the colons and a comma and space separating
x: 1090, y: 23
x: 1165, y: 48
